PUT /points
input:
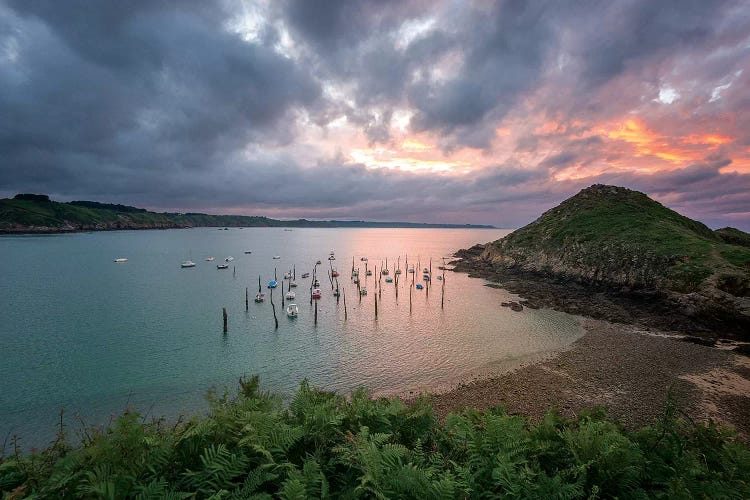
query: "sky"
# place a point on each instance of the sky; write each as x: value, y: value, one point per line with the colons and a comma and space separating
x: 479, y: 111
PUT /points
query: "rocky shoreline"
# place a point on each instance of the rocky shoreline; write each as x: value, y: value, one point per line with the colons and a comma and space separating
x: 628, y: 371
x: 651, y: 308
x: 631, y: 360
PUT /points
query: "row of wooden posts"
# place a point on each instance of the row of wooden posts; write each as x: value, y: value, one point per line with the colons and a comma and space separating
x: 339, y: 293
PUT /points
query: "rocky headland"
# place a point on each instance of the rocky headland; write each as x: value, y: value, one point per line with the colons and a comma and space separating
x: 615, y: 254
x: 643, y: 279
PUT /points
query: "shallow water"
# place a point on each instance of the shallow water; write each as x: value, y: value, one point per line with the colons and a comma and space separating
x: 84, y: 333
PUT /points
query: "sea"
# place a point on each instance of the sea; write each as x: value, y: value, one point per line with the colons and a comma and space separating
x: 91, y: 337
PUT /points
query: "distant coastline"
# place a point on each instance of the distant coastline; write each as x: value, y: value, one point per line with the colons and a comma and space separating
x: 37, y: 214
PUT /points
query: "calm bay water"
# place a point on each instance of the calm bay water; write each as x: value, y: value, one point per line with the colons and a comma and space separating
x: 81, y: 332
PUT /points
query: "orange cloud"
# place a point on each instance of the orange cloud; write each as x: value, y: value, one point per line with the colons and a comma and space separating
x: 676, y: 150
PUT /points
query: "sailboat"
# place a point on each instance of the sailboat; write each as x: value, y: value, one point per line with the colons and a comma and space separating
x: 290, y: 295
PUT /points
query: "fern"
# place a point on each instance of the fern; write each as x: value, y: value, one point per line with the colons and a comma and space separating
x: 322, y: 445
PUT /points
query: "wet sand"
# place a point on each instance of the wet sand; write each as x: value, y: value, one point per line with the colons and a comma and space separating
x: 624, y: 369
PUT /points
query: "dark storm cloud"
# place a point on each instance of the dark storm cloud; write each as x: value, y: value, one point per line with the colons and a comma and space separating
x: 137, y: 87
x: 503, y: 54
x: 628, y: 31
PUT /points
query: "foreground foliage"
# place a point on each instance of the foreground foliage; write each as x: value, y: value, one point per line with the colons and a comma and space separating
x: 322, y: 445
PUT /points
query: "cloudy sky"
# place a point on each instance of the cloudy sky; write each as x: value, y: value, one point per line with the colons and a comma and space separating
x: 436, y: 111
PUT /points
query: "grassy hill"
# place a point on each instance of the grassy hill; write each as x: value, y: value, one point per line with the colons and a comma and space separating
x: 613, y: 234
x: 29, y: 213
x: 25, y: 215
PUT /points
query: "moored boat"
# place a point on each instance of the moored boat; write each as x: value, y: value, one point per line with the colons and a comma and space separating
x: 363, y: 291
x: 222, y: 266
x: 229, y: 259
x: 121, y: 260
x: 389, y: 280
x: 305, y: 275
x: 316, y: 283
x: 188, y: 263
x: 419, y: 286
x: 272, y: 284
x: 260, y: 297
x: 316, y: 293
x: 292, y: 310
x: 209, y: 259
x: 293, y: 284
x: 290, y: 295
x: 276, y: 257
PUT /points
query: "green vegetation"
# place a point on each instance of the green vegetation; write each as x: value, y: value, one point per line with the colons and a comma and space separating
x: 734, y: 236
x: 35, y: 213
x: 611, y: 233
x: 322, y: 445
x: 22, y: 214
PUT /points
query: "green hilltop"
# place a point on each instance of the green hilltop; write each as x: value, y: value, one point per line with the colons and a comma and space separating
x: 616, y: 235
x: 34, y: 213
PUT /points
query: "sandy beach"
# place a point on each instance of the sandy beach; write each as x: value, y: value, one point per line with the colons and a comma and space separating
x: 625, y: 369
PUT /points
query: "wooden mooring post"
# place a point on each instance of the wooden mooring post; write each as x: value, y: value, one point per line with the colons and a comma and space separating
x: 442, y: 295
x: 316, y: 312
x: 224, y: 316
x: 273, y: 307
x: 345, y: 304
x: 246, y: 300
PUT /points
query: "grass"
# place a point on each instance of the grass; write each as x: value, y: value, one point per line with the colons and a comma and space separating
x: 622, y: 231
x: 325, y: 446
